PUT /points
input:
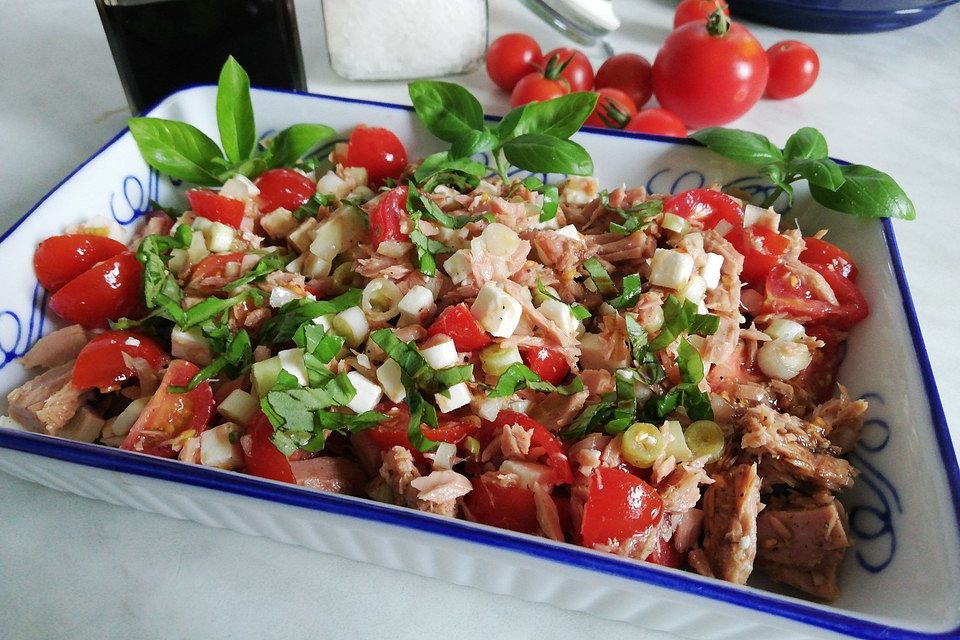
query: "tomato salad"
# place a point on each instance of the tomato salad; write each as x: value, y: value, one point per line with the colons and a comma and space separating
x: 636, y: 373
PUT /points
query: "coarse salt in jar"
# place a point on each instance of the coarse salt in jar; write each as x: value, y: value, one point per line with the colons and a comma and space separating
x: 402, y: 39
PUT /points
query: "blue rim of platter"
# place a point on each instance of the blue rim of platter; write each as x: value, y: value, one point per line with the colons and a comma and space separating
x: 173, y: 471
x: 851, y: 16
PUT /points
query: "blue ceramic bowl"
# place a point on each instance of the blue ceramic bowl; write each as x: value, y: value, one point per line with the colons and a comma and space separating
x: 840, y: 16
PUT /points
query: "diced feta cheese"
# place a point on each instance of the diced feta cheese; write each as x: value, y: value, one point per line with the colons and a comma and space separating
x: 569, y: 231
x: 198, y: 248
x: 388, y: 374
x: 519, y: 405
x: 295, y: 265
x: 579, y: 190
x: 489, y: 408
x: 216, y: 450
x: 671, y: 269
x: 190, y: 345
x: 238, y: 407
x: 783, y: 329
x: 279, y: 223
x: 561, y: 314
x: 695, y: 289
x: 368, y: 393
x: 457, y: 266
x: 440, y: 352
x: 711, y: 270
x: 498, y: 239
x: 445, y: 456
x: 219, y: 237
x: 352, y: 325
x: 280, y: 296
x: 239, y: 187
x: 459, y: 397
x: 291, y: 361
x: 315, y: 266
x: 496, y: 311
x: 333, y: 184
x: 301, y: 237
x: 415, y: 304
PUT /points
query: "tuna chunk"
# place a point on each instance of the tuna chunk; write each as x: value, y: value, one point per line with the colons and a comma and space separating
x: 803, y: 546
x: 57, y: 348
x: 730, y: 507
x: 440, y: 491
x: 329, y: 473
x: 557, y: 411
x: 47, y: 403
x: 83, y: 427
x: 842, y: 419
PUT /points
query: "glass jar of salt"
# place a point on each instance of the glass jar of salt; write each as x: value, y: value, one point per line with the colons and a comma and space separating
x: 404, y: 39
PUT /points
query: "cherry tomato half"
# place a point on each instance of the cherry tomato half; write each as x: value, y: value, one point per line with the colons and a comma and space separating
x: 388, y: 216
x: 578, y: 72
x: 619, y: 505
x: 697, y: 11
x: 393, y: 433
x: 100, y: 363
x: 631, y: 73
x: 709, y: 76
x: 794, y: 67
x: 510, y: 57
x: 762, y: 250
x: 659, y: 122
x: 216, y: 207
x: 706, y: 206
x: 260, y: 456
x: 789, y: 293
x: 107, y: 291
x: 498, y: 505
x: 547, y: 363
x: 60, y: 259
x: 614, y: 110
x: 284, y: 188
x: 379, y: 151
x: 169, y: 416
x: 458, y: 323
x: 817, y: 251
x: 541, y: 437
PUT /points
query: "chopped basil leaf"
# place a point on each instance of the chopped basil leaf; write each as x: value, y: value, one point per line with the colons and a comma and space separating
x: 291, y: 316
x: 687, y: 394
x: 421, y: 412
x: 600, y: 277
x: 270, y: 262
x: 211, y: 307
x: 235, y: 354
x: 631, y: 293
x: 579, y: 311
x: 517, y: 376
x: 311, y: 207
x: 635, y: 217
x: 426, y: 248
x: 422, y: 204
x: 648, y: 367
x: 680, y: 316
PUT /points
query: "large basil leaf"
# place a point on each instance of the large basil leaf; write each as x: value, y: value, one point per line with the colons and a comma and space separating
x: 235, y: 112
x: 447, y: 110
x: 742, y: 146
x: 560, y: 117
x: 868, y: 193
x: 177, y: 149
x: 540, y: 153
x: 296, y: 141
x: 822, y: 172
x: 805, y: 143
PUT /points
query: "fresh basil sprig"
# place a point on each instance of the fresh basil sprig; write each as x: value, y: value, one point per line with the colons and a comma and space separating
x: 531, y: 137
x: 184, y: 152
x: 855, y: 189
x: 519, y: 376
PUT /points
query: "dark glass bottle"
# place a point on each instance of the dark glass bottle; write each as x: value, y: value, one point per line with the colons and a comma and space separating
x: 160, y: 46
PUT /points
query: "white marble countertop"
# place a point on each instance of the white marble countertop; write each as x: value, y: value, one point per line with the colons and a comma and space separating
x: 71, y: 567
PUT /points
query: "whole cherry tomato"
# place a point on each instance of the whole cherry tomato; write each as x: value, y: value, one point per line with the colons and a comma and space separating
x: 710, y: 74
x: 510, y: 57
x: 107, y: 291
x: 697, y: 11
x: 60, y: 259
x: 284, y: 188
x: 631, y: 73
x: 101, y: 364
x: 794, y: 67
x: 540, y: 85
x: 216, y: 207
x: 576, y: 67
x: 377, y: 150
x: 614, y: 110
x: 660, y: 122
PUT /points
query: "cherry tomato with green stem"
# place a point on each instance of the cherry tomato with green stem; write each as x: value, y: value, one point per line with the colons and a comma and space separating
x: 510, y: 57
x: 794, y: 67
x: 540, y: 85
x: 614, y: 110
x: 697, y: 11
x: 577, y: 69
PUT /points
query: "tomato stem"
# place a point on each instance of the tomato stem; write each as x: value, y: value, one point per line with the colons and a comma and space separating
x: 718, y: 23
x: 554, y: 67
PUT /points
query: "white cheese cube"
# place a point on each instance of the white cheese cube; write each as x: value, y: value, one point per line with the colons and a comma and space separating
x: 569, y: 231
x: 415, y: 304
x: 280, y: 296
x: 238, y: 407
x: 368, y: 393
x: 216, y: 450
x: 279, y: 223
x: 710, y: 271
x: 459, y: 397
x: 190, y: 345
x: 695, y: 289
x: 498, y: 239
x: 671, y: 269
x: 388, y: 374
x: 561, y: 314
x: 333, y: 184
x: 291, y: 361
x: 496, y: 311
x: 219, y: 237
x: 579, y: 190
x: 198, y: 247
x: 240, y: 188
x: 440, y: 352
x: 457, y: 266
x: 352, y: 325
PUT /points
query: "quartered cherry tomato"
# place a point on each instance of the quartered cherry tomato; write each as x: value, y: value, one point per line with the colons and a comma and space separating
x: 659, y: 122
x: 794, y: 68
x: 107, y: 291
x: 541, y: 437
x: 458, y: 323
x: 578, y: 71
x: 619, y: 505
x: 665, y: 554
x: 101, y: 364
x: 547, y: 363
x: 379, y: 151
x: 393, y: 433
x: 388, y: 216
x: 706, y: 206
x: 170, y: 416
x: 614, y: 110
x: 506, y: 507
x: 696, y: 11
x: 630, y: 73
x: 510, y: 57
x: 284, y: 188
x: 710, y: 73
x: 826, y: 254
x: 260, y: 456
x: 216, y: 207
x: 788, y: 292
x: 214, y: 265
x: 762, y: 249
x: 60, y: 259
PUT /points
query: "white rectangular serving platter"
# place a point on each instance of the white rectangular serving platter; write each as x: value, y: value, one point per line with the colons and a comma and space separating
x: 902, y: 579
